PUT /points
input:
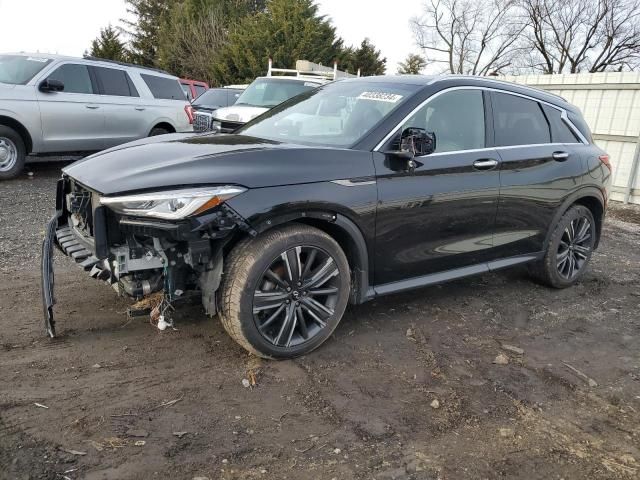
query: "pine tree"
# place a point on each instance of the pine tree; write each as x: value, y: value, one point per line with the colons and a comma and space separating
x: 144, y: 29
x: 412, y: 65
x: 109, y: 46
x: 365, y: 58
x: 286, y: 31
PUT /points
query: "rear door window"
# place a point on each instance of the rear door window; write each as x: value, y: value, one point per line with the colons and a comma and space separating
x: 75, y: 78
x: 519, y: 121
x: 164, y: 88
x: 114, y: 82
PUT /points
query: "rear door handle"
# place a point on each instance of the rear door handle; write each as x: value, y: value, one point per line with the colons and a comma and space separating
x: 92, y: 107
x: 485, y: 164
x: 140, y: 109
x: 560, y: 156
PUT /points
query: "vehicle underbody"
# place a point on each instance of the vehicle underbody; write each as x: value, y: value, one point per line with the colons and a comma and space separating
x: 138, y: 257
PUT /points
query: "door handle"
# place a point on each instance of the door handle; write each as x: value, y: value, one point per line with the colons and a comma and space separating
x: 140, y: 109
x: 92, y: 107
x: 560, y: 156
x: 485, y: 164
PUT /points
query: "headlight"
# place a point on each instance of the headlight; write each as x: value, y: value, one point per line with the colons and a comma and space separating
x: 171, y: 205
x: 216, y: 126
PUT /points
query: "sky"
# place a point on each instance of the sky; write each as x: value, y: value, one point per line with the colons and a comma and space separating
x: 68, y: 26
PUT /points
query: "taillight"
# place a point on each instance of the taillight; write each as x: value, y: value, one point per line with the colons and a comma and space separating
x: 188, y: 109
x: 605, y: 160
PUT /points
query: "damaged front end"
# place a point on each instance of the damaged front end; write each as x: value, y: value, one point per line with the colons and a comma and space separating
x: 170, y: 242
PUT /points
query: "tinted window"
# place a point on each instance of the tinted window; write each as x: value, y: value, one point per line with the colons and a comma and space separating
x: 518, y: 121
x: 164, y: 88
x: 199, y: 90
x: 457, y: 119
x: 212, y: 98
x: 560, y: 131
x: 579, y: 122
x: 186, y: 90
x: 75, y: 78
x: 113, y: 82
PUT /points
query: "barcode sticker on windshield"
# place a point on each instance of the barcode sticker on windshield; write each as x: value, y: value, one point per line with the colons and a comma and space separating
x: 36, y: 59
x: 380, y: 96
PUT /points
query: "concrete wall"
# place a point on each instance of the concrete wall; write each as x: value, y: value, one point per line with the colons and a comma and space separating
x: 610, y: 103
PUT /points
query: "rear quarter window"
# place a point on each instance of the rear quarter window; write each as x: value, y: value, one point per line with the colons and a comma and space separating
x: 560, y: 131
x: 163, y: 88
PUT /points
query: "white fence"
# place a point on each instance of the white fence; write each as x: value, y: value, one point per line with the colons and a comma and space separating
x: 610, y: 103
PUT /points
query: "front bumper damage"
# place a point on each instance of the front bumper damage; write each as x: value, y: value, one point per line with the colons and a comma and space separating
x: 137, y: 257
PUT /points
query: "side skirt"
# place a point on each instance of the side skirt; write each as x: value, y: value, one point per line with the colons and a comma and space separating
x: 448, y: 275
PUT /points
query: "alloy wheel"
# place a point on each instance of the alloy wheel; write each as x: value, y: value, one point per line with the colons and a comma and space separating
x: 8, y: 154
x: 574, y: 248
x: 296, y: 295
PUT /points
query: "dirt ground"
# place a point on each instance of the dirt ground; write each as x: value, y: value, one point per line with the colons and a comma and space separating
x: 407, y: 388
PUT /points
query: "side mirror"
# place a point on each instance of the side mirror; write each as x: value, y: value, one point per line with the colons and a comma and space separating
x: 417, y: 141
x: 414, y: 142
x: 51, y: 85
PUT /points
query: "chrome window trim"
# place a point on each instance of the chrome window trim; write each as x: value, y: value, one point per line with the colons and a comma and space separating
x: 563, y: 115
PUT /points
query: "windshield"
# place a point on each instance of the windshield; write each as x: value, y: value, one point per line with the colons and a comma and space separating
x: 338, y: 114
x: 213, y: 97
x: 269, y: 92
x: 19, y: 69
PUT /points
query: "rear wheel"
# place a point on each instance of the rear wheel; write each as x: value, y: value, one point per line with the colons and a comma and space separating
x: 285, y: 292
x: 12, y: 153
x: 569, y: 250
x: 158, y: 131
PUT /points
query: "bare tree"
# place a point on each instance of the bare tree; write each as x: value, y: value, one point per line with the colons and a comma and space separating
x: 570, y: 36
x: 191, y: 43
x: 470, y: 36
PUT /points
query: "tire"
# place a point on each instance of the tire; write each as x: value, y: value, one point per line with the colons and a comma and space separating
x: 572, y: 240
x: 255, y: 305
x: 12, y: 153
x: 158, y: 131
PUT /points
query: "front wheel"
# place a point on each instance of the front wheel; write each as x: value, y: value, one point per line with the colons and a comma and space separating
x: 12, y: 153
x: 569, y: 250
x: 285, y: 291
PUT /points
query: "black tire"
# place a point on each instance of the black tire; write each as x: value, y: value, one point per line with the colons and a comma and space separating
x: 249, y: 269
x: 12, y: 153
x: 569, y: 250
x: 158, y: 131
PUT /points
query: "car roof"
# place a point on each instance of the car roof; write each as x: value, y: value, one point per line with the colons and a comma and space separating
x: 466, y: 80
x: 300, y: 78
x: 97, y: 61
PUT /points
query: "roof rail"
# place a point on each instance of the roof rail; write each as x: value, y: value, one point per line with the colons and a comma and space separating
x: 306, y: 69
x: 125, y: 64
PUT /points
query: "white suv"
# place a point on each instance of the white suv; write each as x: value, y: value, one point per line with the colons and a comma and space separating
x: 265, y: 93
x: 56, y: 104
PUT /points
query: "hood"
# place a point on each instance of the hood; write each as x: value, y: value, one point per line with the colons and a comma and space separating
x: 180, y: 160
x: 239, y: 113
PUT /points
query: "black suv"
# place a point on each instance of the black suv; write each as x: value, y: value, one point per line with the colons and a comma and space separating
x: 356, y: 189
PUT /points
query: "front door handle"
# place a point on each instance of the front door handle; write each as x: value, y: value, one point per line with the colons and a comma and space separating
x: 560, y: 156
x: 140, y: 109
x: 485, y: 164
x: 92, y: 107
